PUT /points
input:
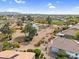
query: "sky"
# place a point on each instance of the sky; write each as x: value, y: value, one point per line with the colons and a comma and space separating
x: 40, y: 6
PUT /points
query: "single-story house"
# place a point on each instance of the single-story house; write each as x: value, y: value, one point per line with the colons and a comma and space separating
x: 10, y: 54
x: 71, y: 32
x: 70, y: 55
x: 65, y: 44
x: 75, y: 26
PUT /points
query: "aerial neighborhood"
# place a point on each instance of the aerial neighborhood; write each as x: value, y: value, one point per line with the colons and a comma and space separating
x: 39, y: 29
x: 39, y: 36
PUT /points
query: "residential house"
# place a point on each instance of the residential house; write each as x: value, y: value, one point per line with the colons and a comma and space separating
x: 65, y: 44
x: 70, y: 33
x: 10, y: 54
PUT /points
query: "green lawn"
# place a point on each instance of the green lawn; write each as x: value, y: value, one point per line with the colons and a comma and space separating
x: 57, y: 22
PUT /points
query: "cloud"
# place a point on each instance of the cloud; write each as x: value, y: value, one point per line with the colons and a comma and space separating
x: 50, y: 5
x: 20, y: 1
x: 15, y: 10
x: 10, y: 10
x: 77, y: 7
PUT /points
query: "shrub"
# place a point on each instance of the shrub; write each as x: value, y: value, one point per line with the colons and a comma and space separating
x: 16, y: 45
x: 58, y: 57
x: 37, y: 52
x: 13, y: 30
x: 77, y: 35
x: 46, y: 42
x: 42, y: 41
x: 65, y: 27
x: 42, y: 55
x: 6, y: 45
x: 24, y: 50
x: 61, y: 53
x: 30, y: 50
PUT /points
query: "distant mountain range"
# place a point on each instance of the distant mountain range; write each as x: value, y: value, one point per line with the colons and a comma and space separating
x: 9, y: 13
x: 18, y: 13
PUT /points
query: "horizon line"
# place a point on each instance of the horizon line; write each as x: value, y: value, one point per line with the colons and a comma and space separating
x: 37, y: 13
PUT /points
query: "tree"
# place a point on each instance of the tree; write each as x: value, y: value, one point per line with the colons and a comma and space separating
x: 19, y: 23
x: 3, y: 18
x: 72, y: 20
x: 7, y: 45
x: 30, y: 18
x: 32, y: 32
x: 77, y: 35
x: 7, y: 31
x: 27, y: 27
x: 23, y: 19
x: 49, y: 20
x: 29, y: 31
